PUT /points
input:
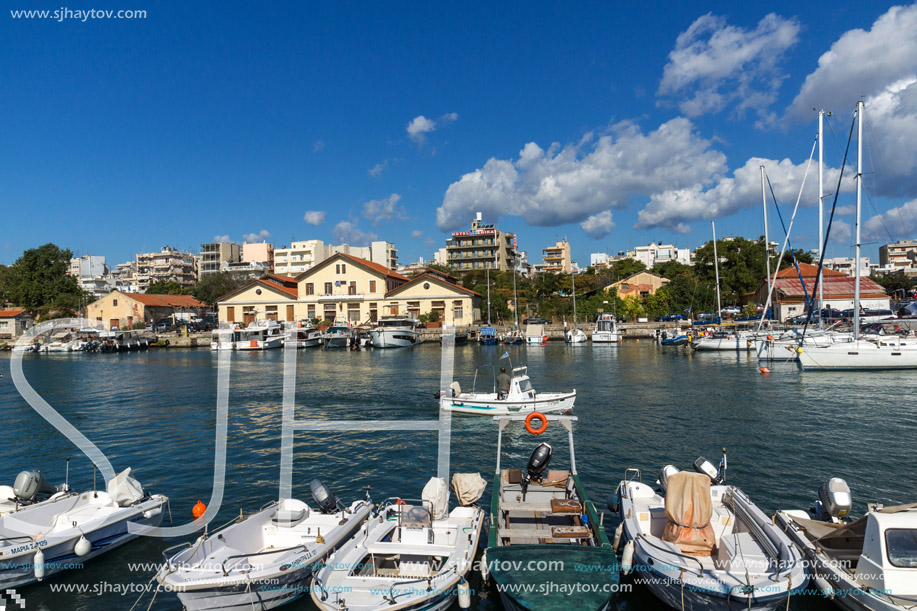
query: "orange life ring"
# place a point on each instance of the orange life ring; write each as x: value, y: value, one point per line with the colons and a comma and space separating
x: 400, y: 502
x: 539, y: 430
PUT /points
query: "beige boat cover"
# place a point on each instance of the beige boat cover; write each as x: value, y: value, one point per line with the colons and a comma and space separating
x: 435, y: 496
x: 688, y: 508
x: 468, y: 487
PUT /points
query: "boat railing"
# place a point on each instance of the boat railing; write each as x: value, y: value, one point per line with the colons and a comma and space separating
x: 168, y: 557
x: 632, y: 474
x: 262, y: 553
x: 391, y: 591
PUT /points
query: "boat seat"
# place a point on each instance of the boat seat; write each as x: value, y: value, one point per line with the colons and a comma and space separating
x: 226, y: 558
x: 456, y: 388
x: 743, y: 553
x: 413, y: 516
x: 288, y: 518
x: 571, y: 532
x: 566, y: 506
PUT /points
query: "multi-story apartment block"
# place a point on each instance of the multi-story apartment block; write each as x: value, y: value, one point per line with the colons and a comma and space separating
x: 557, y: 258
x: 214, y: 254
x: 900, y: 256
x: 88, y: 266
x: 167, y: 265
x: 848, y: 266
x: 303, y: 255
x: 483, y: 247
x: 655, y: 254
x: 259, y: 252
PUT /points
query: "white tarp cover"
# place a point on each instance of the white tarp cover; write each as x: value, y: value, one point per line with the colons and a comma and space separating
x: 435, y: 497
x: 912, y: 308
x: 124, y: 489
x: 468, y: 487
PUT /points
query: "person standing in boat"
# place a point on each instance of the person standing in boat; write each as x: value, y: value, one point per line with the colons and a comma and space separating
x: 503, y: 382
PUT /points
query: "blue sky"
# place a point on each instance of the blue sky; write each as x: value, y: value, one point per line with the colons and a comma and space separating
x: 612, y: 124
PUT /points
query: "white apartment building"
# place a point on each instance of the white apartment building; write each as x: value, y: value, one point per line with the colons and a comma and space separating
x: 302, y: 255
x: 655, y: 254
x: 167, y: 265
x: 847, y: 265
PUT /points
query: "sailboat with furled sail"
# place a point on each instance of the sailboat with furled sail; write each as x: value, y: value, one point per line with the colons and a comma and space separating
x: 892, y: 352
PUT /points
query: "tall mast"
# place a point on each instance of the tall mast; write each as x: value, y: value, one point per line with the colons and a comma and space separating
x: 767, y: 250
x: 515, y: 303
x: 856, y: 261
x: 716, y: 267
x: 573, y: 277
x: 821, y: 217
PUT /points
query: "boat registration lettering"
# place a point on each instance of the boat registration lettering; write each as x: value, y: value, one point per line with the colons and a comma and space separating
x: 29, y: 546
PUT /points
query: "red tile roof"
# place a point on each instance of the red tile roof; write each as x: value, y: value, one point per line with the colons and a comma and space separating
x: 807, y: 270
x: 436, y: 277
x: 834, y: 287
x: 281, y: 283
x: 167, y: 301
x: 13, y: 313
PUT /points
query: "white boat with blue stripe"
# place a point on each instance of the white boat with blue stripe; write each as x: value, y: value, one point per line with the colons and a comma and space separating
x: 521, y: 398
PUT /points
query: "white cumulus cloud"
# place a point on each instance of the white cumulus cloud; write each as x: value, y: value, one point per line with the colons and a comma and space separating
x: 379, y: 211
x: 417, y: 234
x: 261, y: 236
x: 878, y: 65
x: 420, y: 126
x: 314, y: 217
x: 221, y: 238
x: 317, y: 146
x: 570, y: 183
x: 715, y: 65
x: 598, y: 225
x: 898, y: 223
x: 347, y: 232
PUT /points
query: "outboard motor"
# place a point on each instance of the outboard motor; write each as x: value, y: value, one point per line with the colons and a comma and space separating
x: 702, y: 465
x: 539, y: 460
x: 324, y: 498
x: 834, y: 501
x: 664, y: 474
x: 30, y: 484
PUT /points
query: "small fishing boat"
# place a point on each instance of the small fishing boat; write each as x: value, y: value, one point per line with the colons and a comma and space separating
x: 303, y: 335
x: 535, y: 334
x: 410, y: 555
x: 488, y: 336
x: 514, y: 337
x: 574, y: 336
x: 260, y: 335
x: 606, y: 330
x: 700, y: 544
x: 544, y: 529
x: 395, y: 332
x: 677, y: 340
x: 265, y: 560
x: 521, y: 398
x: 225, y: 338
x: 867, y: 564
x: 47, y: 529
x: 461, y: 337
x: 338, y: 335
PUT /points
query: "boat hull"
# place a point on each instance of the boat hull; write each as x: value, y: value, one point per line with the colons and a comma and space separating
x: 394, y: 338
x: 863, y: 355
x: 546, y: 403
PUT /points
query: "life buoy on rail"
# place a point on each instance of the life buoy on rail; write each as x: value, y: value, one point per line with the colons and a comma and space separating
x: 533, y: 430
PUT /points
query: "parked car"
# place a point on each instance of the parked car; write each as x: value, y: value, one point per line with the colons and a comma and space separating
x: 671, y: 317
x: 163, y: 326
x: 535, y: 321
x: 731, y: 310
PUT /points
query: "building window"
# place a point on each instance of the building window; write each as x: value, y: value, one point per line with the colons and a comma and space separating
x: 114, y: 303
x: 373, y: 312
x: 330, y: 311
x: 353, y: 312
x: 311, y: 312
x: 230, y: 314
x: 352, y: 289
x: 458, y: 311
x: 343, y: 268
x: 372, y: 286
x: 310, y: 288
x: 327, y: 288
x: 414, y: 308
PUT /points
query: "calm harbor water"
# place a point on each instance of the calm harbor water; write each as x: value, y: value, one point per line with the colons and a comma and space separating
x: 639, y: 405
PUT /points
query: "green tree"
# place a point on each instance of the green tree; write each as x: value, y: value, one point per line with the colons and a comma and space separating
x: 163, y: 287
x: 896, y: 283
x: 38, y: 279
x: 213, y: 286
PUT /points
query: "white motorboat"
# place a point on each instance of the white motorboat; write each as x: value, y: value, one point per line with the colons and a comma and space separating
x: 225, y: 338
x: 701, y: 546
x: 405, y: 557
x: 881, y: 352
x: 521, y: 398
x: 395, y: 332
x: 45, y: 529
x: 868, y: 564
x: 260, y: 335
x: 59, y: 342
x: 304, y: 335
x: 606, y: 330
x: 265, y: 560
x: 535, y: 334
x: 338, y: 335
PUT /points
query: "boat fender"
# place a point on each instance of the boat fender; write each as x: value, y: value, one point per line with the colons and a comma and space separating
x: 151, y: 513
x: 198, y: 510
x: 484, y: 566
x: 614, y: 502
x: 464, y: 594
x: 627, y: 558
x: 822, y: 584
x: 618, y: 532
x: 39, y: 562
x: 82, y: 547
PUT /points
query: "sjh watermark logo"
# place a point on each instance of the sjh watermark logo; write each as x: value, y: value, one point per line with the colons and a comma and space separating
x: 16, y: 601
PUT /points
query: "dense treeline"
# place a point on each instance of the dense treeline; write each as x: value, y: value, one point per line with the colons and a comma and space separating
x: 38, y: 282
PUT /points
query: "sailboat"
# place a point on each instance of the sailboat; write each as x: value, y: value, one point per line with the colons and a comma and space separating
x: 574, y: 335
x: 880, y: 353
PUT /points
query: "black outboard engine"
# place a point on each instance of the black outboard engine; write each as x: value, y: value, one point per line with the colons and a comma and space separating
x: 29, y: 485
x: 702, y: 465
x: 539, y: 460
x: 324, y: 498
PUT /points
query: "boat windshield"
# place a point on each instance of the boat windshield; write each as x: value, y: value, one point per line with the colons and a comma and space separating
x: 401, y: 322
x: 901, y: 544
x: 525, y: 384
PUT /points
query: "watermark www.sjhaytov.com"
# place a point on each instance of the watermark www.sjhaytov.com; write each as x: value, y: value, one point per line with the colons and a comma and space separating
x: 66, y: 14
